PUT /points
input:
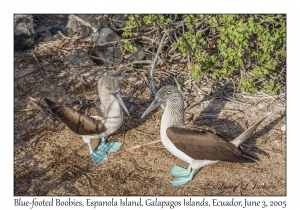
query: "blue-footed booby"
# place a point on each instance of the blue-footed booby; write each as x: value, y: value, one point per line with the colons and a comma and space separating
x: 93, y: 121
x: 198, y: 146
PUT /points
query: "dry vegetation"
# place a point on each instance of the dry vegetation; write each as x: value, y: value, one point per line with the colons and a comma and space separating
x: 49, y: 159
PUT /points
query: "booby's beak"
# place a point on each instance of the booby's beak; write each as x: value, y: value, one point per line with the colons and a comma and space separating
x: 152, y: 106
x: 118, y: 97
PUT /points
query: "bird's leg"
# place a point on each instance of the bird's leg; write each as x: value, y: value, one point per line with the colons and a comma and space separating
x: 183, y: 179
x: 102, y: 142
x: 109, y: 147
x: 97, y: 156
x: 179, y: 171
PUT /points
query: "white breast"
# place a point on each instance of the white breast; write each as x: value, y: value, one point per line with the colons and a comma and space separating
x: 166, y: 141
x: 113, y: 119
x: 165, y: 123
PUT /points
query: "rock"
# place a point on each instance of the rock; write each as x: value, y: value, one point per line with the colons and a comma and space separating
x: 75, y: 24
x: 105, y: 56
x: 111, y: 56
x: 51, y: 34
x: 283, y: 128
x: 47, y: 26
x: 118, y: 21
x: 59, y: 27
x: 95, y: 21
x: 24, y: 33
x: 104, y: 35
x: 90, y: 23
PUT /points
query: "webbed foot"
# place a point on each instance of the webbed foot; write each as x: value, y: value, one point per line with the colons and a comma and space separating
x: 110, y: 147
x: 97, y: 156
x: 179, y: 171
x: 184, y: 175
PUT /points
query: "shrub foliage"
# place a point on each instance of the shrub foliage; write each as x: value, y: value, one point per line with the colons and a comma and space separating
x: 249, y: 49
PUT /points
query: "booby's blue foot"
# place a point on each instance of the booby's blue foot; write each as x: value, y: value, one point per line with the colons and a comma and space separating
x: 183, y: 179
x: 179, y: 171
x: 109, y: 147
x: 97, y: 156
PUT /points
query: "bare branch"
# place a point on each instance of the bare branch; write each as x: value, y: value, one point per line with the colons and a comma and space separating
x: 143, y: 145
x: 153, y: 64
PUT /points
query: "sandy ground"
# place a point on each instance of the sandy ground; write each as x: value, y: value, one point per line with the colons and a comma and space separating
x: 49, y: 159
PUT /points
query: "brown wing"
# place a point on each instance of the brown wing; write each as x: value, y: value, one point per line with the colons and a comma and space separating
x: 87, y: 107
x: 91, y: 110
x: 205, y: 144
x: 211, y: 130
x: 80, y: 122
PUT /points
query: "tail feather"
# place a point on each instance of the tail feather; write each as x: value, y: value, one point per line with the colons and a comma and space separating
x: 49, y: 102
x: 46, y: 106
x: 248, y: 155
x: 247, y: 133
x: 40, y: 103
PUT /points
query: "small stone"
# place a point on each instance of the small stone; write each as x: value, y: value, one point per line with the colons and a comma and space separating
x: 24, y: 33
x: 104, y: 35
x: 283, y: 128
x: 90, y: 22
x: 59, y: 27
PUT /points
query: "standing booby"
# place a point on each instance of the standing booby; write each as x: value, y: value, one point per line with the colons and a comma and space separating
x: 198, y: 146
x: 92, y: 121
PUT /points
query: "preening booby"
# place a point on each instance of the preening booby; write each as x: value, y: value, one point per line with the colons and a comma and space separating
x: 92, y: 121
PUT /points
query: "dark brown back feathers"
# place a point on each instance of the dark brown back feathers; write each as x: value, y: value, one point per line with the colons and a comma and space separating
x: 205, y: 144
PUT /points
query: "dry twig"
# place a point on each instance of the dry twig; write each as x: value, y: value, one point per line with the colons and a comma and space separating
x: 143, y: 145
x: 153, y: 64
x: 62, y: 35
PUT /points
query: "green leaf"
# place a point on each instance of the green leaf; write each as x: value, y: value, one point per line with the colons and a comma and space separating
x: 214, y: 75
x: 225, y: 64
x: 180, y: 80
x: 214, y: 19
